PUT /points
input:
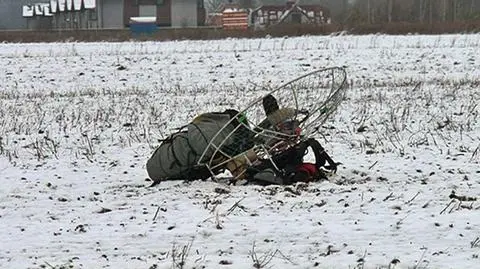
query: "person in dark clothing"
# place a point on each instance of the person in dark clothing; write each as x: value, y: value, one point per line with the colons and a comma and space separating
x: 286, y: 166
x: 274, y: 114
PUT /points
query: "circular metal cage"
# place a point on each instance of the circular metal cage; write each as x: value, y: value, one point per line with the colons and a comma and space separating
x: 286, y: 115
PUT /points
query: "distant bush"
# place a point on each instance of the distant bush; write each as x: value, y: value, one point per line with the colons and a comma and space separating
x: 401, y: 28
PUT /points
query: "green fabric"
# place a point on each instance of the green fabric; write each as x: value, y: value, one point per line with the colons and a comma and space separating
x: 179, y: 155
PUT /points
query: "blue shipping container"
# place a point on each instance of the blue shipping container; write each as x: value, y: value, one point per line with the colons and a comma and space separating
x: 145, y: 28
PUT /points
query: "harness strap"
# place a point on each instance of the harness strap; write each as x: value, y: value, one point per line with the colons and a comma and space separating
x: 204, y: 138
x: 320, y: 154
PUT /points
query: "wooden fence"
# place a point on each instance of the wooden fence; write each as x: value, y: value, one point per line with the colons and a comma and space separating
x: 205, y: 33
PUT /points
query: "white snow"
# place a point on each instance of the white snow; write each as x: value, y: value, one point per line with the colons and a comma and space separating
x: 143, y: 19
x: 79, y: 120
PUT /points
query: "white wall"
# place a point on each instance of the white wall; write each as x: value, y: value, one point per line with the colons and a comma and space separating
x: 111, y: 12
x: 184, y: 13
x: 147, y: 11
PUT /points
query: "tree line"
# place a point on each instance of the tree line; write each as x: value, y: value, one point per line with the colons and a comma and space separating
x: 424, y: 11
x: 381, y: 11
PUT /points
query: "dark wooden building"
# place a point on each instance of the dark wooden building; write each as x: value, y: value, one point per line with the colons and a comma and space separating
x: 107, y: 14
x: 168, y: 13
x: 290, y: 13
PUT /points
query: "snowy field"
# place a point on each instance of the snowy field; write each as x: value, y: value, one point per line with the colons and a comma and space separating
x: 79, y: 120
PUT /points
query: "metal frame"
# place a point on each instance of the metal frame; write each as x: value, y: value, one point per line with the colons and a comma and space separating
x: 309, y: 124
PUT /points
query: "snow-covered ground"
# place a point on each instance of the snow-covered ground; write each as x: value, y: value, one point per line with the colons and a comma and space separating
x: 79, y: 120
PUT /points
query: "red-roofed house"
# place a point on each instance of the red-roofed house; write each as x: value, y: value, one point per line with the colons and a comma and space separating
x: 290, y: 13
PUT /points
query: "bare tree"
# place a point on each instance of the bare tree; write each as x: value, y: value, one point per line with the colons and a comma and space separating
x: 213, y: 5
x: 444, y: 10
x: 389, y: 10
x: 454, y: 10
x: 246, y: 3
x: 369, y: 11
x: 377, y: 11
x: 422, y: 8
x: 472, y: 7
x: 430, y: 12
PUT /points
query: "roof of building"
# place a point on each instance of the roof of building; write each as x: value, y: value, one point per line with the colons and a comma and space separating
x: 28, y: 11
x: 143, y: 19
x: 77, y: 5
x: 89, y: 4
x: 54, y: 6
x: 61, y: 5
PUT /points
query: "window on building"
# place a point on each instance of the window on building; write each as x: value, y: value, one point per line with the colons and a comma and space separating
x: 160, y: 2
x: 200, y: 4
x: 147, y: 10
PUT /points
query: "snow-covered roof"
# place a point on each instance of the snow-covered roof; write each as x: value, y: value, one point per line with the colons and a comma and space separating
x: 53, y: 6
x: 77, y: 5
x: 38, y: 9
x: 230, y: 10
x: 42, y: 9
x: 61, y: 5
x: 46, y: 10
x: 89, y: 4
x: 69, y: 5
x: 143, y: 19
x: 27, y: 11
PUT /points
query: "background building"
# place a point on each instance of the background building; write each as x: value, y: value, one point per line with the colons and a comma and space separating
x: 11, y: 14
x: 170, y: 13
x: 108, y: 14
